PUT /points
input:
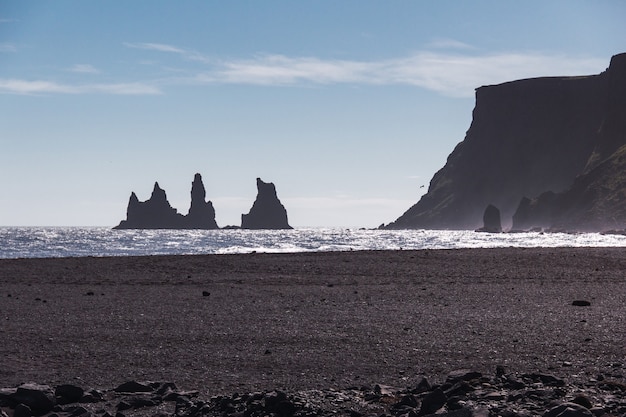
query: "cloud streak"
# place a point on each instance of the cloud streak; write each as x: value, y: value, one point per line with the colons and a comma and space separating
x: 161, y: 47
x: 38, y: 87
x: 84, y: 69
x: 455, y: 69
x: 449, y: 74
x: 446, y: 72
x: 7, y: 47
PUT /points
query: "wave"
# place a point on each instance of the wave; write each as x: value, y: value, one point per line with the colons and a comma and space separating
x: 46, y: 242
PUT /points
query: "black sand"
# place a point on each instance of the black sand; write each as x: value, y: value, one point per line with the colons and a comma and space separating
x: 313, y: 320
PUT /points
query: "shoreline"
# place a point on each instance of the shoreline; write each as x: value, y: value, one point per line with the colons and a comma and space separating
x: 298, y: 321
x: 107, y: 243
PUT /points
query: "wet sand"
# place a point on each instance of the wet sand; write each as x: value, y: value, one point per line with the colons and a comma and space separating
x: 240, y: 323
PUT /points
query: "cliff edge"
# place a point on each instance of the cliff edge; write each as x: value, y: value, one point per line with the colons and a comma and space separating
x: 554, y: 135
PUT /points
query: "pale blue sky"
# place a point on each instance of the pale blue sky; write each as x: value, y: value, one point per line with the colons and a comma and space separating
x: 349, y: 107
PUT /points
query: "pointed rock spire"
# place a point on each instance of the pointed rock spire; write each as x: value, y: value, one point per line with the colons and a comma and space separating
x: 201, y: 213
x: 267, y: 212
x: 157, y: 213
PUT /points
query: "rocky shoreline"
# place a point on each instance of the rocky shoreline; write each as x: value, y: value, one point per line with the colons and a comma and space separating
x: 464, y: 393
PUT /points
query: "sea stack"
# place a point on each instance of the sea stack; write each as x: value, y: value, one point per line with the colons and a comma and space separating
x: 201, y: 213
x: 491, y: 220
x: 267, y: 212
x: 157, y: 213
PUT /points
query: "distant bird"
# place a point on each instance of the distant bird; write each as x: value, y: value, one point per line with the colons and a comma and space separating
x: 421, y: 186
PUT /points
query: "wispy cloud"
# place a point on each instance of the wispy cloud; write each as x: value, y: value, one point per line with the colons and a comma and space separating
x: 446, y: 43
x: 448, y: 66
x: 7, y: 47
x: 283, y: 70
x: 160, y: 47
x: 84, y: 69
x: 28, y: 87
x: 449, y: 74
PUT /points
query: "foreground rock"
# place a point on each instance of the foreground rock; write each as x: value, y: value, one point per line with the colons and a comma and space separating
x: 157, y: 213
x: 565, y: 136
x: 463, y: 393
x: 267, y: 212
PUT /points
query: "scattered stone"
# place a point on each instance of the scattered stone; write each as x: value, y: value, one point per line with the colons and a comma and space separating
x: 133, y: 386
x: 22, y: 410
x: 40, y: 398
x: 568, y: 410
x: 135, y: 402
x: 77, y: 411
x: 67, y: 394
x: 432, y: 402
x: 463, y: 393
x: 92, y: 396
x: 461, y: 412
x: 422, y: 386
x: 462, y: 375
x: 582, y: 400
x: 166, y: 388
x: 546, y: 379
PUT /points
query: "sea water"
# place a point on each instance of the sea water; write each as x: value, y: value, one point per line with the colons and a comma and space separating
x: 46, y: 242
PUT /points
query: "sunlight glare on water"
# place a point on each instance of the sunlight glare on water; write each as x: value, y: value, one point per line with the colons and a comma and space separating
x: 42, y: 242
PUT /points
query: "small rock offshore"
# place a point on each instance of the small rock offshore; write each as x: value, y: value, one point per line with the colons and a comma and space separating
x: 464, y: 393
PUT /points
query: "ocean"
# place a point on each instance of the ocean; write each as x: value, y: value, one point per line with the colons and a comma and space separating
x: 47, y: 242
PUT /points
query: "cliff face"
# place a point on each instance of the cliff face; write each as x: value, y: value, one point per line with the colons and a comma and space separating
x: 157, y: 213
x: 528, y: 138
x: 267, y: 212
x: 596, y: 201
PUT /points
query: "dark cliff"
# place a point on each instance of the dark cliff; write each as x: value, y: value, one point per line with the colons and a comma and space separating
x: 267, y: 212
x: 557, y: 135
x: 157, y: 213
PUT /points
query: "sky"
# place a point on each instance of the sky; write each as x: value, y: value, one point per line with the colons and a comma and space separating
x: 348, y: 107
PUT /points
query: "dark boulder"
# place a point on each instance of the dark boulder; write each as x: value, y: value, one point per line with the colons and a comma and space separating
x: 22, y: 410
x: 432, y: 402
x: 39, y: 398
x: 68, y: 393
x: 267, y: 212
x: 133, y: 386
x: 568, y: 410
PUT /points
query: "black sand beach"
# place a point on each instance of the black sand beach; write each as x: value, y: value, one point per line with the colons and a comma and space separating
x: 225, y: 323
x: 239, y: 323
